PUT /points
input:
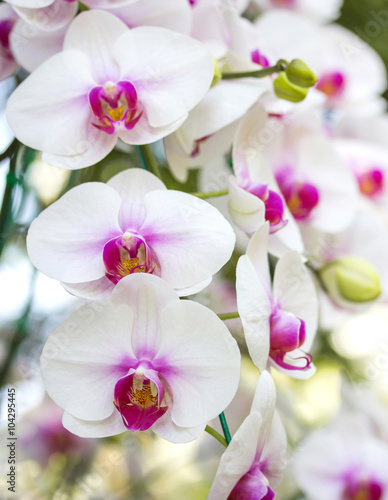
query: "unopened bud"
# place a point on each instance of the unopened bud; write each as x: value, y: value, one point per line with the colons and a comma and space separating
x: 300, y: 74
x: 286, y: 90
x: 351, y: 278
x: 217, y: 73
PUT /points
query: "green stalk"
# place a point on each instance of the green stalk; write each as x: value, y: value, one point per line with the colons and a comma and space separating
x: 216, y: 435
x: 281, y: 65
x: 149, y: 160
x: 225, y: 427
x: 225, y: 316
x: 211, y: 194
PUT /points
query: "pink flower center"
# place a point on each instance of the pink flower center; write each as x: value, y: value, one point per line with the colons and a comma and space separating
x: 114, y: 105
x: 301, y: 197
x: 371, y: 182
x: 128, y: 254
x: 259, y: 58
x: 141, y: 398
x: 274, y: 207
x: 332, y: 84
x: 363, y: 490
x: 287, y: 334
x: 253, y: 485
x: 5, y: 29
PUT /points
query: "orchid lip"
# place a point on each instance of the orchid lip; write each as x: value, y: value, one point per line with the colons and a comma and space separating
x: 128, y: 254
x: 114, y: 104
x: 141, y: 398
x: 274, y: 206
x: 371, y: 182
x: 332, y: 84
x: 301, y: 196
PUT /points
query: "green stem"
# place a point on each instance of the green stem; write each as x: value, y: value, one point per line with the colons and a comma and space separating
x: 216, y: 435
x: 10, y: 150
x: 149, y: 159
x: 281, y: 65
x: 225, y: 427
x: 6, y: 207
x: 225, y: 316
x: 211, y: 194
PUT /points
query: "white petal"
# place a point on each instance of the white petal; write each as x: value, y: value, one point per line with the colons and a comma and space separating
x: 171, y: 72
x: 143, y: 133
x: 264, y: 402
x: 132, y: 185
x: 32, y: 46
x: 82, y: 361
x: 146, y: 295
x: 67, y: 239
x: 257, y: 253
x: 205, y: 360
x: 171, y: 14
x: 246, y: 210
x: 55, y: 94
x: 33, y: 4
x: 100, y: 289
x: 337, y: 187
x: 89, y: 151
x: 191, y: 239
x: 237, y: 458
x: 274, y: 453
x: 94, y: 429
x: 254, y: 307
x: 294, y: 290
x: 95, y: 33
x: 183, y: 292
x: 51, y: 18
x: 165, y: 428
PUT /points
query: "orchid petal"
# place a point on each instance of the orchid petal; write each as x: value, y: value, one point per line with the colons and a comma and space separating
x: 264, y: 402
x: 50, y: 18
x: 294, y: 291
x: 254, y: 307
x: 171, y: 72
x: 166, y: 429
x: 94, y: 33
x: 184, y: 230
x: 237, y: 458
x: 132, y: 185
x: 100, y: 289
x: 257, y: 253
x: 59, y: 86
x: 94, y: 429
x: 31, y: 52
x: 97, y: 359
x: 202, y: 381
x: 67, y: 239
x: 246, y: 210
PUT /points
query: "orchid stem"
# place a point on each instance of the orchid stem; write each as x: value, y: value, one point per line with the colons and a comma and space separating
x: 225, y: 316
x: 216, y: 435
x: 149, y: 159
x: 225, y: 427
x: 211, y: 194
x: 281, y: 65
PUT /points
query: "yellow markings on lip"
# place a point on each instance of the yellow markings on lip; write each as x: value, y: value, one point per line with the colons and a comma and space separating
x: 116, y: 114
x: 144, y: 397
x: 131, y: 264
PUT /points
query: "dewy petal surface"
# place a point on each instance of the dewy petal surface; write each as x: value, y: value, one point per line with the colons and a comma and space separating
x: 171, y: 72
x: 55, y: 94
x: 94, y: 33
x: 67, y: 239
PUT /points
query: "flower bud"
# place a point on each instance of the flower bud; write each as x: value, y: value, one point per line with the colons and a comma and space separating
x: 352, y: 279
x: 300, y: 74
x: 284, y: 89
x: 217, y: 73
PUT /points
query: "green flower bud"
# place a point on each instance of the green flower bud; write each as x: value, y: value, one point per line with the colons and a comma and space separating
x: 217, y: 73
x: 300, y: 74
x: 284, y: 89
x: 352, y: 279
